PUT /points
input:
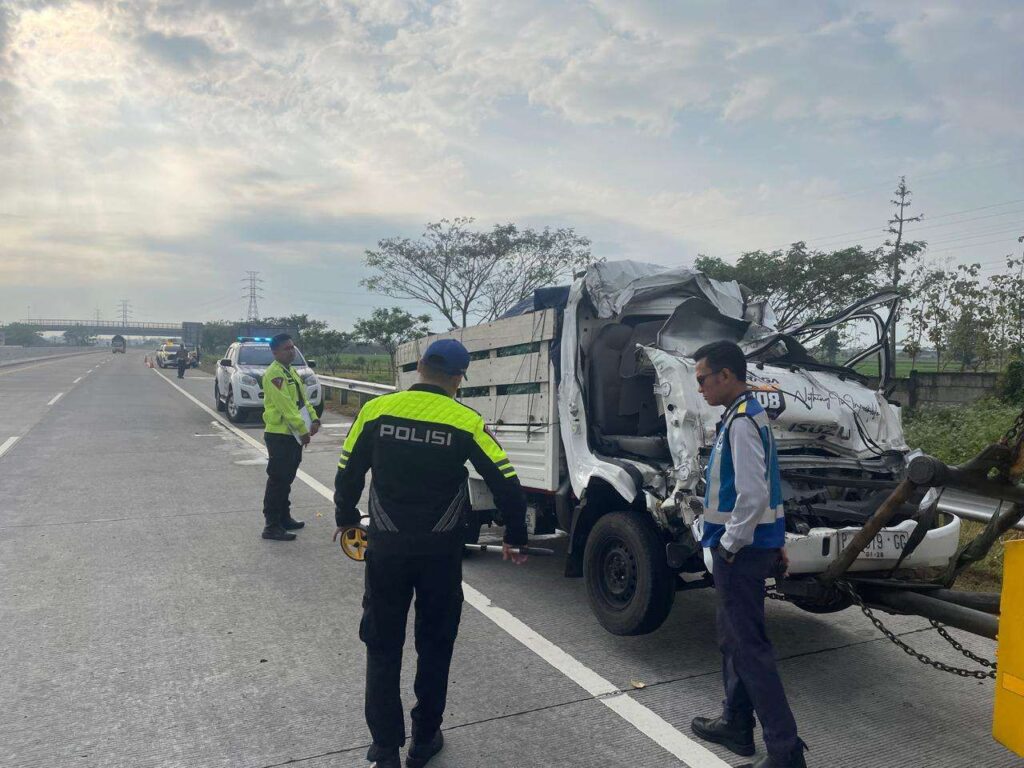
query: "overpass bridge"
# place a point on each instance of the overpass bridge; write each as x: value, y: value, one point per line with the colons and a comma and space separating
x: 190, y: 333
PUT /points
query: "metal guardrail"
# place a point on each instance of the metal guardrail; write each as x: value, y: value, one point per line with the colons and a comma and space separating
x: 370, y: 388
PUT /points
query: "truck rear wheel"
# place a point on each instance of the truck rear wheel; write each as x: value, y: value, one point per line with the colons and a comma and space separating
x: 629, y: 584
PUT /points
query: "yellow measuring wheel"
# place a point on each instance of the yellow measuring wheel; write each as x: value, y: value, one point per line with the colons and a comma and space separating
x: 353, y: 543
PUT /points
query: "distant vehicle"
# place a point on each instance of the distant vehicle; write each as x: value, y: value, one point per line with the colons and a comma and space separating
x: 118, y: 344
x: 167, y: 355
x: 238, y: 385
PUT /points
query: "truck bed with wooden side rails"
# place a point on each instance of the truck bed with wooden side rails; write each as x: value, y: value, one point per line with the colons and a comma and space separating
x: 591, y: 391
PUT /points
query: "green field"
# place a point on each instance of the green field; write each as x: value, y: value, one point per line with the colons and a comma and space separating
x: 904, y: 367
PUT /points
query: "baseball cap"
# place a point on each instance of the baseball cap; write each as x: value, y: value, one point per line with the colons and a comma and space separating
x: 448, y: 356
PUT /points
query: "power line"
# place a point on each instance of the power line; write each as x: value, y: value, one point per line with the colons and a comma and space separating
x: 973, y: 210
x: 728, y: 221
x: 979, y: 233
x: 826, y: 240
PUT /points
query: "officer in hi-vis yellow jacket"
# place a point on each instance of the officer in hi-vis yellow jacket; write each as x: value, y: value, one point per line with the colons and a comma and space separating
x: 290, y: 421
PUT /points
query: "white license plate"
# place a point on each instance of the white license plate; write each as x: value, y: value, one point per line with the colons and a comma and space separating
x: 887, y: 545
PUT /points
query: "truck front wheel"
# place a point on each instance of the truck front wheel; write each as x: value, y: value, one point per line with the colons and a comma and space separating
x: 629, y: 584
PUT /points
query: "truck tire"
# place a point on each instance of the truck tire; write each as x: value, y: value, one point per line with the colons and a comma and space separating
x: 629, y: 583
x: 319, y: 409
x: 236, y: 415
x: 216, y: 398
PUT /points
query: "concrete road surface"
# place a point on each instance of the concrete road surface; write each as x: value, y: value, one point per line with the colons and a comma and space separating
x: 144, y: 622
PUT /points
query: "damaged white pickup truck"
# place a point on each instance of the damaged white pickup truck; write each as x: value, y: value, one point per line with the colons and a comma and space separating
x: 591, y: 391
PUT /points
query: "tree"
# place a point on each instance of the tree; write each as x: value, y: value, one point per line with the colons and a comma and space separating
x: 925, y: 310
x: 969, y: 331
x: 912, y: 347
x: 1007, y: 295
x: 830, y: 346
x: 78, y: 337
x: 801, y: 284
x: 935, y: 309
x: 390, y: 328
x: 23, y: 335
x: 902, y: 252
x: 466, y: 274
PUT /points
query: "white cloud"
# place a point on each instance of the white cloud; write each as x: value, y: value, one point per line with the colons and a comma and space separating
x: 142, y: 136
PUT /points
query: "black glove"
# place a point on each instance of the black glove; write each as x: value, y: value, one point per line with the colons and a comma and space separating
x: 349, y: 518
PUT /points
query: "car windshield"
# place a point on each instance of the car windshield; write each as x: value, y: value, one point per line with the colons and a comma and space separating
x: 171, y: 348
x: 260, y: 354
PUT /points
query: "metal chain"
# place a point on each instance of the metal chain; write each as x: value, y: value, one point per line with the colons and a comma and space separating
x: 953, y: 642
x: 923, y: 658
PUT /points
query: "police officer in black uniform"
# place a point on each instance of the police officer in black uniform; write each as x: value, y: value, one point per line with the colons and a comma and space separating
x: 417, y: 442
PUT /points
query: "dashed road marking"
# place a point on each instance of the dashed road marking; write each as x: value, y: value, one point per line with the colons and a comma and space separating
x: 57, y: 397
x: 77, y: 380
x: 7, y: 444
x: 657, y: 729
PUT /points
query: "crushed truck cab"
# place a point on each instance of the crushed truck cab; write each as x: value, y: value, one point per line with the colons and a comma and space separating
x: 591, y: 390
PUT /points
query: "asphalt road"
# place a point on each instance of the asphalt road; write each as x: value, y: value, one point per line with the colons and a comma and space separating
x: 144, y: 622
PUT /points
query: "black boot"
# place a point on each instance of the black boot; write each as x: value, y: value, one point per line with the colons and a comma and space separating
x: 277, y: 534
x: 421, y: 752
x: 293, y: 525
x: 737, y: 737
x: 794, y: 759
x: 382, y: 757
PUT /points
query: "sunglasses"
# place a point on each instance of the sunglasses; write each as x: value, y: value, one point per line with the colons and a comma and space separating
x: 702, y: 379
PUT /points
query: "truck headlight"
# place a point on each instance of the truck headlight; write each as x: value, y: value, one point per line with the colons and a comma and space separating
x: 249, y: 381
x: 309, y: 379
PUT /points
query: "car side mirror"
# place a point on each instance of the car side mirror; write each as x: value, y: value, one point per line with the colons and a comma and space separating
x: 226, y: 362
x: 311, y: 363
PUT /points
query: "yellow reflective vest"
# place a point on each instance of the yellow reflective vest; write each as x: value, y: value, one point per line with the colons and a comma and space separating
x: 284, y: 396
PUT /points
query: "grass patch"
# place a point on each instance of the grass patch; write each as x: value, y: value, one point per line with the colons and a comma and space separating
x: 955, y: 435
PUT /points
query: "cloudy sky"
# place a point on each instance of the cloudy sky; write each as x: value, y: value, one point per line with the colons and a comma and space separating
x: 155, y: 151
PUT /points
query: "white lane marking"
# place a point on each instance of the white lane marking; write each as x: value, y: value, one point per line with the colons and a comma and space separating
x: 316, y: 485
x: 77, y: 380
x: 57, y: 397
x: 625, y: 706
x: 654, y: 727
x: 6, y: 445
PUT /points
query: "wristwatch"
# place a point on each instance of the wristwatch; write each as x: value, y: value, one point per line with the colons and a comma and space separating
x: 725, y: 554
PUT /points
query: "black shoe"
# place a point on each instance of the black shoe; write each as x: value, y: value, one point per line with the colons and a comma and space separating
x: 278, y: 534
x: 736, y: 737
x: 381, y: 757
x: 293, y: 525
x: 794, y: 759
x: 421, y: 752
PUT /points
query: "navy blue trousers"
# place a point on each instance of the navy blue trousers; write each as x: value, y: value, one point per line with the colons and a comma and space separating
x: 752, y: 682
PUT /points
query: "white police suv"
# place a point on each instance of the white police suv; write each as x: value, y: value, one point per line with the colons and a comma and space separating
x: 238, y: 385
